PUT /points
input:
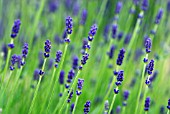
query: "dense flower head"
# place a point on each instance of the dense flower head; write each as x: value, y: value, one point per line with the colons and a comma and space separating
x: 145, y: 5
x: 114, y: 31
x: 120, y: 57
x: 148, y: 45
x: 15, y: 28
x: 75, y: 62
x: 71, y: 75
x: 127, y: 39
x: 69, y: 25
x: 72, y: 107
x: 47, y: 48
x: 13, y: 61
x: 25, y: 50
x: 147, y: 104
x: 92, y: 32
x: 111, y: 52
x: 84, y: 58
x: 83, y: 17
x: 87, y: 107
x: 159, y: 16
x: 120, y: 77
x: 150, y: 67
x: 168, y: 104
x: 36, y: 75
x: 61, y: 78
x: 79, y: 86
x: 125, y: 95
x: 118, y: 7
x: 58, y: 56
x: 70, y: 96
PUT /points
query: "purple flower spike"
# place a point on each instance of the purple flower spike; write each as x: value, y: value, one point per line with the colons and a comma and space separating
x: 148, y: 45
x: 61, y: 78
x: 118, y: 7
x: 69, y: 25
x: 79, y: 86
x: 147, y: 104
x: 15, y: 28
x: 145, y: 5
x: 25, y: 50
x: 92, y: 32
x: 83, y: 17
x: 150, y: 67
x: 47, y: 48
x: 87, y: 107
x: 159, y: 16
x: 120, y: 57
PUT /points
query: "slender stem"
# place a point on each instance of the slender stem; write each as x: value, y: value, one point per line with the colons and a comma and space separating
x: 113, y: 100
x: 123, y: 110
x: 48, y: 90
x: 72, y: 87
x: 67, y: 108
x: 77, y: 97
x: 35, y: 94
x: 60, y: 67
x: 140, y: 88
x: 137, y: 26
x: 37, y: 88
x: 146, y: 112
x: 144, y: 97
x: 168, y: 112
x: 13, y: 90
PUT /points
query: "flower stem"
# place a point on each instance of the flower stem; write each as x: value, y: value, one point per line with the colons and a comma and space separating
x: 65, y: 97
x: 77, y: 97
x: 140, y: 88
x: 58, y: 73
x: 123, y: 110
x: 168, y: 112
x: 113, y: 100
x: 37, y: 88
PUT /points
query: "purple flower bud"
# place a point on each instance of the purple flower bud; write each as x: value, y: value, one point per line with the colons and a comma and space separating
x: 92, y: 32
x: 70, y: 96
x: 159, y: 16
x: 127, y: 39
x: 13, y: 61
x: 79, y: 86
x: 147, y: 104
x: 25, y: 50
x: 47, y: 48
x: 120, y: 57
x: 58, y: 56
x: 111, y: 52
x: 69, y: 25
x: 150, y: 67
x: 84, y: 58
x: 118, y: 109
x: 145, y: 5
x: 118, y: 7
x: 87, y: 107
x: 75, y: 62
x: 61, y: 78
x: 72, y: 107
x: 15, y: 28
x: 36, y: 75
x: 148, y: 45
x: 114, y: 31
x: 83, y: 17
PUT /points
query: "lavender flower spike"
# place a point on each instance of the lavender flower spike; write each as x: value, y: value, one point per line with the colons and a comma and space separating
x: 118, y: 7
x: 125, y: 95
x: 168, y: 104
x: 87, y: 107
x: 47, y: 48
x: 58, y: 57
x: 25, y: 50
x: 15, y: 28
x: 83, y: 17
x: 159, y: 16
x: 120, y: 57
x: 92, y: 32
x: 150, y: 67
x: 69, y: 25
x: 148, y: 45
x: 61, y: 78
x: 114, y: 31
x: 75, y: 62
x: 145, y: 5
x: 147, y: 104
x: 79, y: 86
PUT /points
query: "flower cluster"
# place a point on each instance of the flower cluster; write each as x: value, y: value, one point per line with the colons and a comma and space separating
x: 61, y: 78
x: 118, y: 7
x: 70, y: 96
x: 25, y: 50
x: 70, y: 78
x: 145, y: 5
x: 120, y: 57
x: 15, y: 28
x: 58, y: 57
x: 159, y: 16
x: 120, y: 77
x: 47, y: 48
x: 79, y: 86
x: 147, y: 104
x: 125, y: 95
x: 75, y: 62
x: 83, y: 17
x: 92, y: 32
x: 87, y: 107
x: 114, y: 31
x: 111, y: 53
x: 69, y: 25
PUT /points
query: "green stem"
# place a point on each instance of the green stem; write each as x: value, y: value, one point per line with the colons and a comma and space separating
x: 35, y: 94
x: 77, y: 97
x: 67, y: 108
x: 48, y: 90
x: 137, y: 26
x: 144, y: 97
x: 123, y: 110
x: 72, y: 87
x: 113, y: 100
x: 37, y: 88
x: 168, y: 112
x: 140, y: 88
x: 60, y: 67
x: 13, y: 90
